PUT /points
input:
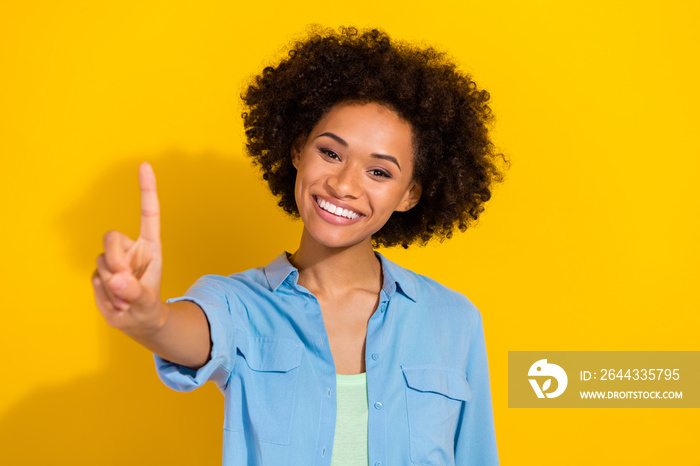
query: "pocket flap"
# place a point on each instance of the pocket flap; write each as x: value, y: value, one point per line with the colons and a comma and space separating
x: 442, y: 380
x: 271, y: 354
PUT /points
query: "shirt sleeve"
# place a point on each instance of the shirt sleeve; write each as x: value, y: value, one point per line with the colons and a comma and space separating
x: 209, y: 293
x: 475, y: 440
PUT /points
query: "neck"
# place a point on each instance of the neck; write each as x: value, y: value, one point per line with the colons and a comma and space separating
x: 325, y: 270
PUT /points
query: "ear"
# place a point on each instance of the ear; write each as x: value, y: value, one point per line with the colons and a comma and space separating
x: 411, y: 197
x: 296, y: 150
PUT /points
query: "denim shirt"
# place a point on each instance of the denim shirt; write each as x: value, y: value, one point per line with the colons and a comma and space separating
x: 427, y: 371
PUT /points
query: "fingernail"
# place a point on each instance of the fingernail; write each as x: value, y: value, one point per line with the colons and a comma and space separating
x: 121, y: 304
x: 118, y: 282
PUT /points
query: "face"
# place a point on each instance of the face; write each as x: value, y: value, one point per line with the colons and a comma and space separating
x: 353, y: 171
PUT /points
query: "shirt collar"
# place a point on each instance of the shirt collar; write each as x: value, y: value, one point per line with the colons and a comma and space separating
x: 278, y: 270
x: 395, y: 277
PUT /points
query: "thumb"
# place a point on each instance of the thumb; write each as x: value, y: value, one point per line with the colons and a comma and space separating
x: 125, y: 286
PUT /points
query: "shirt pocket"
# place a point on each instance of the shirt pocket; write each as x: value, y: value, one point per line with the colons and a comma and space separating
x: 261, y: 392
x: 434, y: 397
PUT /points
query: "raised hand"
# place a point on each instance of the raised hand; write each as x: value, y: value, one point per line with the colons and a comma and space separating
x: 128, y: 275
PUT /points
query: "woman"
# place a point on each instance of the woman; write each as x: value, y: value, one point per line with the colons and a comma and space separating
x: 334, y: 354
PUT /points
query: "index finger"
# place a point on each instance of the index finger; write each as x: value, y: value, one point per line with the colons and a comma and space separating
x: 150, y: 207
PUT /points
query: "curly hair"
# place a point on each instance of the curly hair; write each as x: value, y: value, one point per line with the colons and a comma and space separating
x: 455, y: 161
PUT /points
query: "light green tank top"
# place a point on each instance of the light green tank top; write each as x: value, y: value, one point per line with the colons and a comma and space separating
x: 350, y: 441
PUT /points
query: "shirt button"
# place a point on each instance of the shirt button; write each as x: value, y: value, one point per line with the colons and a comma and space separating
x: 329, y: 393
x: 375, y: 356
x: 378, y: 463
x: 323, y: 452
x: 378, y: 405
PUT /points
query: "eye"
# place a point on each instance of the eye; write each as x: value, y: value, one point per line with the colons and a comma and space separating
x: 329, y: 153
x: 379, y: 173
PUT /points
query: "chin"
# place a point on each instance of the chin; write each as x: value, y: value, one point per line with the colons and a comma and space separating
x: 338, y: 241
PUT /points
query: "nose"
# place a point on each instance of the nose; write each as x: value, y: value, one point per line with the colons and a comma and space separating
x: 344, y: 182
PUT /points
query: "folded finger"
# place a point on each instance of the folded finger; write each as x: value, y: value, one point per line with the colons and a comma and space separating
x: 111, y: 286
x: 104, y: 304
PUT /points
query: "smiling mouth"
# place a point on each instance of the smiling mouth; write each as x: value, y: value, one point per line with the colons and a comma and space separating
x: 335, y: 210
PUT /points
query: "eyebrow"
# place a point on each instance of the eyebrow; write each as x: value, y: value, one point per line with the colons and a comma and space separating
x: 343, y: 143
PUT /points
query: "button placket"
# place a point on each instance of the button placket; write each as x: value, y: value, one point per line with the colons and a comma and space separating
x: 323, y: 352
x: 375, y: 387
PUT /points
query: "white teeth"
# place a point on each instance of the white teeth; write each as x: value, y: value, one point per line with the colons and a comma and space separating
x: 325, y: 205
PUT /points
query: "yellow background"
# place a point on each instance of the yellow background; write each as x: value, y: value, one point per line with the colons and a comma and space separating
x: 591, y: 243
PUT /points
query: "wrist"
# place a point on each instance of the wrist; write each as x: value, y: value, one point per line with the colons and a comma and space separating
x: 150, y: 328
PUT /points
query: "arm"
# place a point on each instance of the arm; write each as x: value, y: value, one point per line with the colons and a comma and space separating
x: 127, y: 290
x: 183, y: 338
